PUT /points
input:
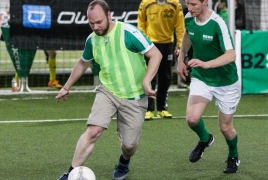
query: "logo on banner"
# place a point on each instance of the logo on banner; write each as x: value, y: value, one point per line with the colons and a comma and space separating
x: 70, y: 17
x: 38, y: 17
x: 259, y: 60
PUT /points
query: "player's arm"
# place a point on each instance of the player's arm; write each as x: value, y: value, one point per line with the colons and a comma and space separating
x: 155, y: 57
x: 186, y: 44
x: 228, y: 57
x: 137, y: 42
x: 142, y: 17
x: 79, y: 68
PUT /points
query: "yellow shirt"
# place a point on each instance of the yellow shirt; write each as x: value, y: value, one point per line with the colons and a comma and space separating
x: 159, y: 21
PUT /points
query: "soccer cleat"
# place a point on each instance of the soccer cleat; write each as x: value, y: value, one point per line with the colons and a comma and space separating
x: 198, y: 151
x: 164, y: 114
x: 149, y: 115
x: 120, y: 171
x: 64, y: 176
x: 54, y: 84
x: 232, y: 165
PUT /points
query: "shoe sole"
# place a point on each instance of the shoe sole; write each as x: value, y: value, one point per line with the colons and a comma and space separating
x: 120, y: 178
x: 230, y: 172
x: 193, y: 161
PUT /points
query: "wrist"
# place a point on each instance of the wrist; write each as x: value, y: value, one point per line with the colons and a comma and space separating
x: 66, y: 89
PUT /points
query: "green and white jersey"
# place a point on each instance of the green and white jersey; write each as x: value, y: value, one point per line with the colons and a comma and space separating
x: 210, y: 40
x: 121, y: 59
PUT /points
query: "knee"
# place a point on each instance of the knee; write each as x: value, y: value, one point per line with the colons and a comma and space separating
x: 226, y: 129
x: 192, y: 120
x: 94, y: 132
x: 129, y: 148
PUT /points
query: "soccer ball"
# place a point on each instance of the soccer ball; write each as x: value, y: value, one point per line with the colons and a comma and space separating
x: 81, y: 173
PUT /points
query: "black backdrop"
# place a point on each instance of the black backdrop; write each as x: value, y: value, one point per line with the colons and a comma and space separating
x: 69, y: 27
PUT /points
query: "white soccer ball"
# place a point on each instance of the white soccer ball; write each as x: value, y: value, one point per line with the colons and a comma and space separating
x: 81, y: 173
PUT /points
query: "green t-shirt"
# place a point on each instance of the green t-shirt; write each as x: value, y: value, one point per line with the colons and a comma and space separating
x: 210, y: 40
x: 120, y: 56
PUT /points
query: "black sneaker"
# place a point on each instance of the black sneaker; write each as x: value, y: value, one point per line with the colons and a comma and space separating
x: 197, y: 153
x: 64, y: 176
x: 232, y: 165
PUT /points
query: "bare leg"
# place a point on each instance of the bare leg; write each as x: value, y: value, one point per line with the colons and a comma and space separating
x: 226, y: 126
x: 195, y: 108
x: 85, y: 145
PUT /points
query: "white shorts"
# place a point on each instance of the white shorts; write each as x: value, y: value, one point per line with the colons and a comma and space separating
x: 227, y: 97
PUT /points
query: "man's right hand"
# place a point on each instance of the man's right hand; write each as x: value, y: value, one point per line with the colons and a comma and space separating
x: 182, y: 70
x: 62, y: 94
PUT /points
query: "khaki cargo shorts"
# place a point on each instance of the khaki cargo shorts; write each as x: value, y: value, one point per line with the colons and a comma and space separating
x: 130, y: 114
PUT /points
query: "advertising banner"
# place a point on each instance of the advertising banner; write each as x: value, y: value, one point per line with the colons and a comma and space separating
x: 59, y: 24
x: 254, y: 62
x: 22, y: 59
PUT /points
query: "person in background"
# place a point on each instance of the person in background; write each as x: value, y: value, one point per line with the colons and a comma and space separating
x: 157, y: 19
x: 51, y: 60
x: 214, y: 75
x: 223, y: 10
x: 4, y: 14
x: 119, y: 49
x: 240, y: 15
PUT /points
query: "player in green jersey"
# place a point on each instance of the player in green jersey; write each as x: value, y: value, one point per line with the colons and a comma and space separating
x: 125, y: 84
x: 214, y: 74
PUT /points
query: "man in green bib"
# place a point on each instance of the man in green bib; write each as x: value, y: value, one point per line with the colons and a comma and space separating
x: 125, y: 84
x: 214, y: 74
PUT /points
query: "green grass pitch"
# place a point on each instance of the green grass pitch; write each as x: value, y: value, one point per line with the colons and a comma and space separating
x: 32, y: 149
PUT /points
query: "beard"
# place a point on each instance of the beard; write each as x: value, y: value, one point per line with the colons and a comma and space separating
x: 103, y: 31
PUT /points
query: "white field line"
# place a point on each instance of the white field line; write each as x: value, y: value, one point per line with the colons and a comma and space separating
x: 84, y: 119
x: 44, y: 61
x: 9, y: 92
x: 48, y: 120
x: 82, y: 90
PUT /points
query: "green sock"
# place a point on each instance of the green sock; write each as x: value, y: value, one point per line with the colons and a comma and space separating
x: 201, y: 131
x: 233, y: 150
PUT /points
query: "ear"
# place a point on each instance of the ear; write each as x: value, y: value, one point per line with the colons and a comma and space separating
x: 109, y: 15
